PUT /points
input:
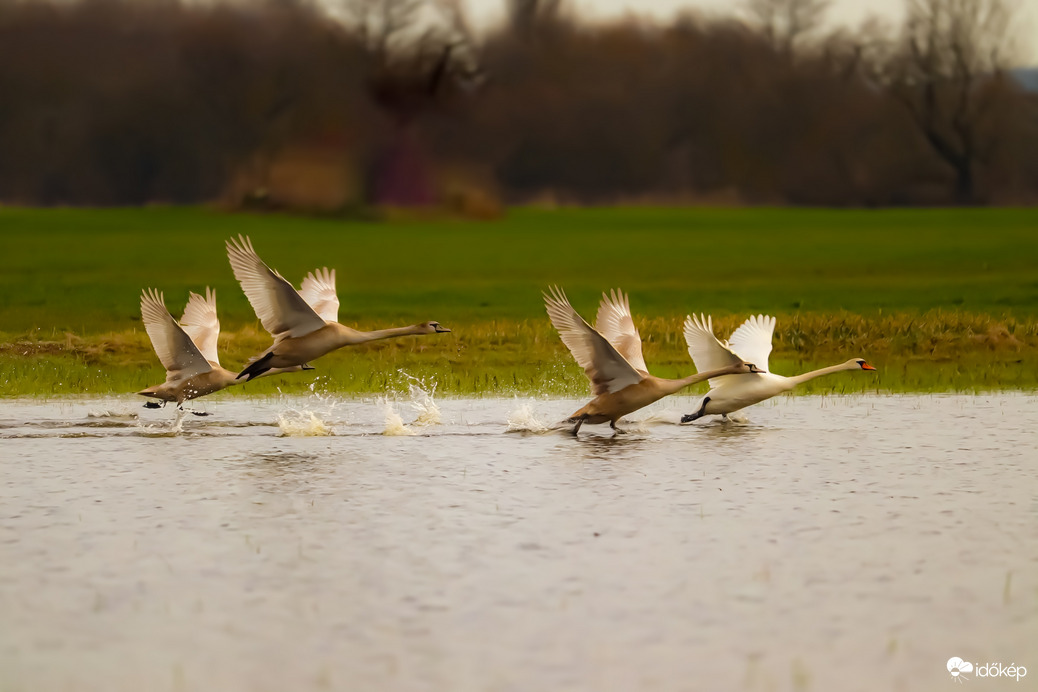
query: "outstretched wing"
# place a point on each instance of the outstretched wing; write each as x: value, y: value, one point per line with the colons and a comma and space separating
x: 318, y: 290
x: 280, y: 309
x: 603, y: 364
x: 202, y: 325
x: 615, y: 323
x: 707, y: 352
x: 752, y: 340
x: 177, y: 353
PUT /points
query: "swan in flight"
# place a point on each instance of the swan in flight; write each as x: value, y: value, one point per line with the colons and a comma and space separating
x: 750, y: 342
x: 300, y: 332
x: 612, y: 360
x: 187, y: 349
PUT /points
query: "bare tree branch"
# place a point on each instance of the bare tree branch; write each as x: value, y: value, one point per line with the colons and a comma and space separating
x: 949, y: 53
x: 784, y: 23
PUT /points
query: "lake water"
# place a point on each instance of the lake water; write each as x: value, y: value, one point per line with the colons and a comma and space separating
x: 831, y: 543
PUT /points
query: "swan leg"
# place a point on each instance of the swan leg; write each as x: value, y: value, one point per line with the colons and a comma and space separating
x: 200, y: 413
x: 154, y: 404
x: 689, y: 417
x: 580, y: 422
x: 618, y: 431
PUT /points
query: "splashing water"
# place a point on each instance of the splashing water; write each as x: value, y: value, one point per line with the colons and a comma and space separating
x: 394, y: 423
x: 177, y: 426
x: 162, y: 429
x: 640, y: 425
x: 420, y: 399
x: 661, y: 416
x: 110, y: 413
x: 315, y: 418
x: 302, y: 424
x: 428, y: 413
x: 523, y: 419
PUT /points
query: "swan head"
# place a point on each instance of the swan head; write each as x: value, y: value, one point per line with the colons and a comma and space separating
x: 432, y: 328
x: 750, y: 368
x: 860, y: 363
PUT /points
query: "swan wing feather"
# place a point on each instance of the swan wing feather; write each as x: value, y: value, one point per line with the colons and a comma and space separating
x: 175, y: 349
x: 615, y: 323
x: 607, y: 370
x: 708, y: 353
x: 752, y: 340
x: 279, y: 307
x: 202, y: 324
x: 318, y: 290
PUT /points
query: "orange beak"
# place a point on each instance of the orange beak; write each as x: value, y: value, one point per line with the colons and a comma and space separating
x: 866, y: 366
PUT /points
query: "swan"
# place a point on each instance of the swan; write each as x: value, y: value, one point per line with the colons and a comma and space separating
x: 612, y: 360
x: 300, y: 333
x: 187, y: 350
x: 752, y: 342
x: 187, y: 347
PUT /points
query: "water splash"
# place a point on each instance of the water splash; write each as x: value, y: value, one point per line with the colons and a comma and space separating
x: 428, y: 413
x: 656, y: 417
x: 523, y: 419
x: 394, y: 423
x: 420, y: 400
x: 159, y: 428
x: 177, y: 426
x: 111, y: 413
x: 639, y: 426
x: 315, y: 418
x: 302, y: 424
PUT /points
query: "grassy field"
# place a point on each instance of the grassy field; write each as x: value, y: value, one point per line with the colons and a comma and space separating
x: 939, y: 300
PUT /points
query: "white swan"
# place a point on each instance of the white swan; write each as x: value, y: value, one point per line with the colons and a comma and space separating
x: 300, y: 333
x: 750, y: 342
x: 612, y: 360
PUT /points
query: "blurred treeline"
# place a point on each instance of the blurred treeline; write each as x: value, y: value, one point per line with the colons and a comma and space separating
x: 111, y: 102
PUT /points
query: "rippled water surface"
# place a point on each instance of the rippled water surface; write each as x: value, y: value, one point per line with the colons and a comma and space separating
x: 308, y: 544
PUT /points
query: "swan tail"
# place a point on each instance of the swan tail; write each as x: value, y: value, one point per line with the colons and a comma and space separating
x: 256, y: 367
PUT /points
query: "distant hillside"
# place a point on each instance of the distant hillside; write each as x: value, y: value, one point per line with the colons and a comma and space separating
x: 1027, y: 76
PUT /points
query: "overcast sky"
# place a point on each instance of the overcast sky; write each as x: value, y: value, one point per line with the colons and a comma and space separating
x: 847, y: 12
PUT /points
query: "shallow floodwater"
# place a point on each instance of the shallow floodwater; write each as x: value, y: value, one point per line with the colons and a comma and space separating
x: 850, y: 543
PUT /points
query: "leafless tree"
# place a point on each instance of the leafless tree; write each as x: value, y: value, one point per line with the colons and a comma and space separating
x: 419, y: 48
x: 784, y: 23
x: 948, y: 70
x: 421, y: 52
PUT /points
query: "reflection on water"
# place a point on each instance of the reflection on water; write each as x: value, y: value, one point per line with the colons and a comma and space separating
x: 825, y: 544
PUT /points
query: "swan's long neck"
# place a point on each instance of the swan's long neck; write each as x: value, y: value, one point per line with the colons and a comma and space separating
x: 352, y: 336
x: 673, y: 386
x: 800, y: 379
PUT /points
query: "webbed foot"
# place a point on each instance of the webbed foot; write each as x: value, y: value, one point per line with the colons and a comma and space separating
x: 689, y: 417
